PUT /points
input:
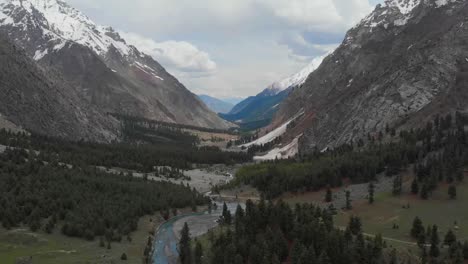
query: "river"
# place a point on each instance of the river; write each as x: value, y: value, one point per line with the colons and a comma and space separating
x: 167, y: 236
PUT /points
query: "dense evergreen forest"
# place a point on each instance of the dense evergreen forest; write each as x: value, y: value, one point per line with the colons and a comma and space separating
x: 81, y: 201
x: 439, y: 152
x: 153, y: 123
x: 143, y: 149
x: 275, y: 233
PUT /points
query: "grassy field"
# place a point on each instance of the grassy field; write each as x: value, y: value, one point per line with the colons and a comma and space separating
x: 57, y: 249
x: 388, y: 210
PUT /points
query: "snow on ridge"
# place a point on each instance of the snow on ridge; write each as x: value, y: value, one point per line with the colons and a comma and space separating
x: 69, y: 24
x: 405, y: 6
x: 298, y: 78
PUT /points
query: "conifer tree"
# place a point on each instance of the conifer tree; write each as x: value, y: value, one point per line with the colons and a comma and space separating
x: 185, y: 254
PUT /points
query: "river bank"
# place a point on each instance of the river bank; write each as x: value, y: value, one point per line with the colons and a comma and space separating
x: 168, y: 233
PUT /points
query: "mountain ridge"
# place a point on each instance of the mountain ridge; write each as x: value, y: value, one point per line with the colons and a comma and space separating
x: 400, y: 66
x: 121, y: 80
x: 37, y: 99
x: 261, y: 108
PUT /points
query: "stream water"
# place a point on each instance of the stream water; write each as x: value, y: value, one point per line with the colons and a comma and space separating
x: 167, y: 236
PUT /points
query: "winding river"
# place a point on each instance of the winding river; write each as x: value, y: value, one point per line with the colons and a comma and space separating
x: 167, y: 236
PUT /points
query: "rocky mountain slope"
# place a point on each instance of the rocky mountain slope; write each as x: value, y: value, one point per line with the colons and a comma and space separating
x: 260, y: 109
x: 113, y: 76
x: 215, y: 104
x: 404, y: 63
x: 37, y: 99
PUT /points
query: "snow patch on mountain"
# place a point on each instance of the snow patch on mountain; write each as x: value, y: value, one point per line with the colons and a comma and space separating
x: 296, y: 79
x: 269, y: 137
x: 285, y: 152
x: 404, y: 6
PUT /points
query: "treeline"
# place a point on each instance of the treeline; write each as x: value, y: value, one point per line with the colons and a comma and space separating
x: 275, y: 233
x: 80, y: 201
x: 439, y: 151
x: 437, y: 249
x: 133, y: 132
x: 149, y: 122
x: 127, y: 155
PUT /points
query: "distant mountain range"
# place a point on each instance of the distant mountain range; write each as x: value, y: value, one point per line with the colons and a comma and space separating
x: 97, y: 62
x: 258, y: 111
x: 215, y: 104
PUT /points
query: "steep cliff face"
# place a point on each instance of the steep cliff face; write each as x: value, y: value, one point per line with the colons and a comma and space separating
x: 404, y: 63
x: 37, y: 99
x: 112, y: 75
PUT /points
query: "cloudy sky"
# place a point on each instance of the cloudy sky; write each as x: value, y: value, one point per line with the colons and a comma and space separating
x: 230, y: 48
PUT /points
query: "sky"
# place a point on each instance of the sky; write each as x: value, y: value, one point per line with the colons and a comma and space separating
x: 230, y: 48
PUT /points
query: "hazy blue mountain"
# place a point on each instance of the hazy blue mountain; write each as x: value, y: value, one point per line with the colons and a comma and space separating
x: 234, y: 100
x: 216, y: 105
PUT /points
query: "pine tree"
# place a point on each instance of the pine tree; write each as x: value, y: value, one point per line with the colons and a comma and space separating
x: 198, y: 253
x: 434, y: 251
x: 348, y: 200
x: 328, y: 195
x: 397, y: 185
x: 355, y: 225
x: 465, y: 250
x: 424, y: 256
x: 101, y: 242
x: 422, y: 240
x: 185, y: 255
x: 226, y: 215
x: 296, y: 252
x: 435, y: 235
x: 450, y: 238
x: 452, y: 192
x: 371, y: 192
x: 417, y: 228
x: 424, y: 192
x: 393, y: 257
x: 459, y: 257
x: 414, y: 187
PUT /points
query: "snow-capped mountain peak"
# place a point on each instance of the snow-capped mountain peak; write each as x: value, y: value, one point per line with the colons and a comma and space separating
x: 398, y: 12
x: 61, y: 23
x: 295, y: 79
x: 404, y: 6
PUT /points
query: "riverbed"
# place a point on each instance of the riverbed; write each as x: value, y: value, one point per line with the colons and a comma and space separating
x: 168, y: 234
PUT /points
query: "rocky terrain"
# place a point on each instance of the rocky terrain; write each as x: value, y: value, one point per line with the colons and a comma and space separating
x: 37, y: 99
x: 403, y: 64
x: 110, y: 74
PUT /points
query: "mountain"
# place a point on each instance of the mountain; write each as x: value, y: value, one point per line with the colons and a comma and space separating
x: 257, y: 111
x: 402, y: 65
x: 215, y: 104
x: 38, y: 99
x: 234, y: 100
x: 109, y: 73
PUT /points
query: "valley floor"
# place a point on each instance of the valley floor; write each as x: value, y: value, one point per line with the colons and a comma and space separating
x: 42, y: 248
x: 389, y: 210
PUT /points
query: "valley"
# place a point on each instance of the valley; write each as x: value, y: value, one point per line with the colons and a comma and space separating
x: 238, y: 132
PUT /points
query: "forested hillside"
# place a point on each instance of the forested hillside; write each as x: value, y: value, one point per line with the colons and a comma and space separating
x: 439, y: 151
x: 81, y: 201
x: 143, y: 150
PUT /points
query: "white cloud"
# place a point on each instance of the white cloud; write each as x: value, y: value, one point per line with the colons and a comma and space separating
x: 230, y: 47
x: 319, y: 15
x: 181, y: 55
